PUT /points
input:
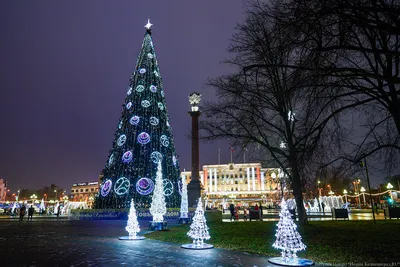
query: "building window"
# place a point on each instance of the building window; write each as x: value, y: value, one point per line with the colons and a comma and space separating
x: 86, y: 190
x: 92, y: 189
x: 72, y: 190
x: 81, y: 190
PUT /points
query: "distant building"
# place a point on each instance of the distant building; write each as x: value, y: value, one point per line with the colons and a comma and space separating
x: 244, y: 184
x: 3, y: 189
x: 84, y: 192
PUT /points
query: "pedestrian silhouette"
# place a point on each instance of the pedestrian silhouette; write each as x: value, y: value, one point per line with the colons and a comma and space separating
x: 323, y: 207
x: 30, y: 212
x: 232, y: 210
x: 22, y: 212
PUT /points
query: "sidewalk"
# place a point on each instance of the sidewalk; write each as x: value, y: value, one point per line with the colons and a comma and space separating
x: 95, y: 243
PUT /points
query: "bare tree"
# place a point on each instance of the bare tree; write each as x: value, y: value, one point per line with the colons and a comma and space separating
x: 268, y: 104
x: 361, y: 41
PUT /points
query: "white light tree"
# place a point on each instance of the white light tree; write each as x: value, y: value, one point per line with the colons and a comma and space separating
x: 158, y: 207
x: 287, y: 237
x: 132, y: 226
x: 199, y: 229
x: 184, y: 199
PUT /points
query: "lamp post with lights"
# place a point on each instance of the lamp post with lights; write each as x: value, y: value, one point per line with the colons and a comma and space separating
x: 362, y: 190
x: 345, y: 195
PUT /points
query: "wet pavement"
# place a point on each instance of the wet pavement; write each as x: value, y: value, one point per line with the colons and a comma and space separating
x: 95, y: 243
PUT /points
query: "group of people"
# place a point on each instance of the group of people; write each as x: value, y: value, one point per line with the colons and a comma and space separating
x: 22, y: 212
x: 235, y: 212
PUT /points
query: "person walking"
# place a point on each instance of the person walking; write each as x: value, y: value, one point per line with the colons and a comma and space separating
x: 22, y: 212
x: 31, y: 210
x: 58, y: 211
x: 232, y: 210
x: 323, y: 207
x: 245, y: 214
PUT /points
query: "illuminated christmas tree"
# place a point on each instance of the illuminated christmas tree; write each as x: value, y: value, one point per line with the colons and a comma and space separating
x: 132, y: 226
x: 143, y: 139
x: 184, y: 200
x: 287, y: 237
x: 158, y: 208
x: 198, y: 229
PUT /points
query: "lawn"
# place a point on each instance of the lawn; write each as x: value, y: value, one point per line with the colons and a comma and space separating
x: 327, y: 241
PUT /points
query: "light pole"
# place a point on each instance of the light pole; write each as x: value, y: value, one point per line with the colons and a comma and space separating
x: 55, y: 192
x: 345, y: 195
x: 33, y: 198
x: 18, y: 195
x: 331, y: 193
x: 319, y: 189
x: 362, y: 190
x: 390, y: 187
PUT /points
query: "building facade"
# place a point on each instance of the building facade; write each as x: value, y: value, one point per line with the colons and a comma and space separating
x: 244, y: 184
x: 84, y: 192
x: 3, y: 190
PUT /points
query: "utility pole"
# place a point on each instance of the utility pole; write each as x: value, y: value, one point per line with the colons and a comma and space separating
x: 364, y: 164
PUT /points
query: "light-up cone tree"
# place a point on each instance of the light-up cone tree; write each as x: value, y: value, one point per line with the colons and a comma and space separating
x: 184, y: 201
x: 198, y: 229
x: 132, y: 226
x: 288, y: 240
x: 143, y: 138
x: 158, y: 208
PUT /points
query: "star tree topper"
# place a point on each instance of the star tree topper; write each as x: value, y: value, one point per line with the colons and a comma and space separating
x: 148, y: 25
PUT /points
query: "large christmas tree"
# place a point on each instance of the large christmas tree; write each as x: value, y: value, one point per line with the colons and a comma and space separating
x: 142, y: 139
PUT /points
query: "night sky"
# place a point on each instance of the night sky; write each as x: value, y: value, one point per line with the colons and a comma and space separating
x: 65, y: 69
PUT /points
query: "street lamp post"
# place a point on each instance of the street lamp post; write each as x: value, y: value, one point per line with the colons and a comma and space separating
x: 362, y: 190
x: 319, y: 189
x: 390, y: 187
x: 55, y: 191
x: 331, y: 193
x: 345, y: 195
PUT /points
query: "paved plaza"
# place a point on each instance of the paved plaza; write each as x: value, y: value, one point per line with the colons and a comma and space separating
x: 49, y: 242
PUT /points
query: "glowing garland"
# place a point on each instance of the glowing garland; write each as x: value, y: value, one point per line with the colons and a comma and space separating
x: 143, y: 138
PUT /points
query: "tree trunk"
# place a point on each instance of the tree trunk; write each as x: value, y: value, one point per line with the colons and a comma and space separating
x: 298, y: 192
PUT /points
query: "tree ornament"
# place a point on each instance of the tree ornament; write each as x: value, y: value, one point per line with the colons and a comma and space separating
x: 134, y: 120
x: 144, y: 186
x: 143, y: 138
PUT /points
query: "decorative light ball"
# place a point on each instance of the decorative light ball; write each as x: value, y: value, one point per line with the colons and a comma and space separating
x: 121, y: 140
x: 142, y: 71
x: 153, y: 88
x: 144, y: 186
x: 164, y: 140
x: 160, y: 105
x: 154, y: 121
x: 134, y: 120
x: 140, y: 88
x: 106, y: 188
x: 122, y: 186
x: 156, y: 157
x: 155, y: 73
x: 129, y: 91
x: 111, y: 159
x: 174, y: 160
x: 162, y: 93
x: 143, y: 138
x: 145, y: 103
x: 168, y: 187
x: 120, y: 125
x: 150, y: 55
x: 129, y: 105
x: 127, y: 157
